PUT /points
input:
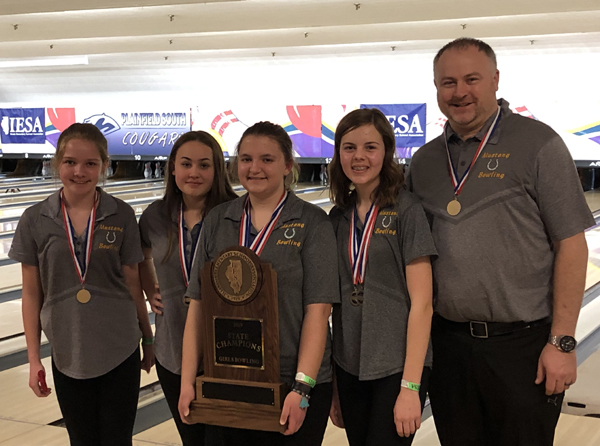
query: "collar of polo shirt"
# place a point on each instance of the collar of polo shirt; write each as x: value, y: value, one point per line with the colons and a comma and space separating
x: 292, y: 210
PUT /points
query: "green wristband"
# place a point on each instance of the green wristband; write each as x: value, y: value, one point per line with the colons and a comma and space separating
x: 305, y: 379
x: 148, y: 341
x: 411, y: 386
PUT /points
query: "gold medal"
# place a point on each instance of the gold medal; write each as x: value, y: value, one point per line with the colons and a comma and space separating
x: 453, y: 207
x: 81, y: 265
x: 83, y: 296
x: 458, y: 183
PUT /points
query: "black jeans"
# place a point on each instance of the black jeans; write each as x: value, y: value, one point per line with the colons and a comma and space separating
x: 100, y: 411
x: 483, y: 391
x: 191, y: 434
x: 368, y: 408
x: 310, y: 433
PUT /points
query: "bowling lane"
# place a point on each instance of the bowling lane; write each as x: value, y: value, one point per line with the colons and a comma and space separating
x: 15, y: 181
x: 20, y: 403
x: 10, y: 201
x: 36, y: 195
x: 593, y: 267
x: 139, y: 200
x: 11, y: 321
x: 592, y: 197
x: 53, y: 183
x: 31, y: 428
x: 10, y: 274
x: 14, y: 203
x: 10, y: 214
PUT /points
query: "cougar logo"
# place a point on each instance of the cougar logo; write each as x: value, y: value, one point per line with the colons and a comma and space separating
x: 105, y: 123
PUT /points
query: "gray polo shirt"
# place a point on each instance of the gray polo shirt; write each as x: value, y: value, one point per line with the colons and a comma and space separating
x: 369, y: 341
x: 88, y: 340
x: 154, y: 226
x: 302, y: 251
x: 496, y: 256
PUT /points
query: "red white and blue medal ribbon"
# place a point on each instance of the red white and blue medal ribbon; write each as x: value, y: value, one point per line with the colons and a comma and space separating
x: 454, y: 207
x: 89, y: 236
x: 459, y: 184
x: 358, y: 247
x: 186, y: 267
x: 261, y: 238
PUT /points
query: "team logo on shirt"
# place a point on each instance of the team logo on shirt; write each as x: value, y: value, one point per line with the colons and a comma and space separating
x: 290, y: 230
x: 493, y: 164
x: 384, y: 223
x: 109, y: 237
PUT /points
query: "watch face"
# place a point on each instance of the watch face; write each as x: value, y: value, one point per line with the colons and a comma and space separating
x: 567, y: 343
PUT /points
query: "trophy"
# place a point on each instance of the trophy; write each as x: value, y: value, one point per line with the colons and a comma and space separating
x: 240, y: 386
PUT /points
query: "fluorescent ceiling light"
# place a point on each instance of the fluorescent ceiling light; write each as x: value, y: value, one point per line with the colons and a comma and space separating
x: 44, y: 62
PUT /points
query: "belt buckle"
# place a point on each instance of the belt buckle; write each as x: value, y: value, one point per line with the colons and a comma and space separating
x: 473, y: 324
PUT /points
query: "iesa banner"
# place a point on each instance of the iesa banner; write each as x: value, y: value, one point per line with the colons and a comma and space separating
x: 139, y: 132
x: 409, y: 122
x: 23, y: 126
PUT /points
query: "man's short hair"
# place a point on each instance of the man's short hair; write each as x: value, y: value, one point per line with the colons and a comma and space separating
x: 463, y: 43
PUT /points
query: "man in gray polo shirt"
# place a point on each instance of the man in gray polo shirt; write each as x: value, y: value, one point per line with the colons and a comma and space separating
x: 507, y: 214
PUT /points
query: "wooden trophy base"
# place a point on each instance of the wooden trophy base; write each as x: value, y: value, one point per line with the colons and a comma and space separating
x: 239, y: 404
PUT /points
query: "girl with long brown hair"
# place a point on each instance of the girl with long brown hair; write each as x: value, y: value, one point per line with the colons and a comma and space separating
x: 196, y: 181
x: 297, y: 239
x: 381, y: 329
x: 79, y: 250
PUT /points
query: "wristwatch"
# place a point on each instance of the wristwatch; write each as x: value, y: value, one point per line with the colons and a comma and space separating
x: 564, y: 343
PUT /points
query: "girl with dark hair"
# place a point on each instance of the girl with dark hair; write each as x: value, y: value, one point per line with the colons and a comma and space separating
x: 381, y: 329
x: 196, y: 181
x: 79, y: 250
x: 297, y: 239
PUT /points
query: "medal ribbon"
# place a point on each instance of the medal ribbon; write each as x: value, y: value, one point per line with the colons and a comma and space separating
x: 358, y: 247
x: 261, y: 238
x: 186, y: 267
x: 458, y: 185
x: 89, y: 236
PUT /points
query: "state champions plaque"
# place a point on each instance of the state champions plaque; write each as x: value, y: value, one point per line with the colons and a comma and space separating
x: 240, y: 387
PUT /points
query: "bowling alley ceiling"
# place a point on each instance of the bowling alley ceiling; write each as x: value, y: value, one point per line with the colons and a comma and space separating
x: 122, y: 32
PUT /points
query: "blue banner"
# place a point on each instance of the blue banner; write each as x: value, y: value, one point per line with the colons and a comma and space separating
x: 23, y: 126
x: 408, y: 120
x: 140, y: 133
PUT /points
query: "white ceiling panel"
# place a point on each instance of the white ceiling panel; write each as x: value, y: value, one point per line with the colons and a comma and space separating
x: 16, y: 7
x: 124, y: 38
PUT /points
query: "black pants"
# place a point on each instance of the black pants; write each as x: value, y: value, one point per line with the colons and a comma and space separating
x: 483, y: 391
x: 100, y: 411
x: 368, y: 408
x: 191, y: 435
x: 310, y: 433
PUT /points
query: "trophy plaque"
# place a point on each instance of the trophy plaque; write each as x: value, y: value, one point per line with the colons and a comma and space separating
x: 240, y: 386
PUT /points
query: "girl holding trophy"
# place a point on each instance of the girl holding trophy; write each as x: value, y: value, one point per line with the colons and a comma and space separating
x: 297, y: 239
